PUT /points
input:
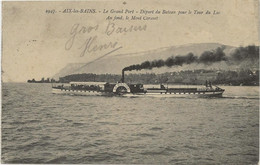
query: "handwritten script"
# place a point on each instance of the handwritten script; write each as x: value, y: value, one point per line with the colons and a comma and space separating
x: 91, y: 40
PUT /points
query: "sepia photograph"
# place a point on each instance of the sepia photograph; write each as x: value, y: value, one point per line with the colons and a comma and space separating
x: 130, y: 82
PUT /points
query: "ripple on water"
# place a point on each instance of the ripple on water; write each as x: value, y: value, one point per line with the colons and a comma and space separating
x: 48, y: 128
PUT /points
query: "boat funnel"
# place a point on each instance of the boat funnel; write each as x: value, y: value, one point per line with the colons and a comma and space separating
x: 123, y: 76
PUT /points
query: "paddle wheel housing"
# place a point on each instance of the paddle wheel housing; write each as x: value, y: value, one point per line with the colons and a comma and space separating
x: 121, y: 88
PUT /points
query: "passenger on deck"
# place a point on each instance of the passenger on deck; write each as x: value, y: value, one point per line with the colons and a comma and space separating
x: 210, y: 85
x: 206, y: 84
x: 162, y: 86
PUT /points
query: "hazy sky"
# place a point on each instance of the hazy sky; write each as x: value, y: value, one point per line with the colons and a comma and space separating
x: 34, y: 42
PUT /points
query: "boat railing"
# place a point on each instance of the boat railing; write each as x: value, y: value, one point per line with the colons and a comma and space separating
x: 79, y: 87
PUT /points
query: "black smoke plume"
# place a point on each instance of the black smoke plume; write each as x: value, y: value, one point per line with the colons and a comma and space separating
x: 245, y: 53
x: 207, y: 57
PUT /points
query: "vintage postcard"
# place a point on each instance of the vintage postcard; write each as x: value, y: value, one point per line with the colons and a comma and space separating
x: 130, y: 82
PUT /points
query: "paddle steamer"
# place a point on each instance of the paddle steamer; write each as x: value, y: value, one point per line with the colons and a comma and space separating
x: 135, y: 90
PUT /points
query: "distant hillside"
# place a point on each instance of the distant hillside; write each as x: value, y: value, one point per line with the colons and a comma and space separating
x: 115, y: 63
x: 191, y: 77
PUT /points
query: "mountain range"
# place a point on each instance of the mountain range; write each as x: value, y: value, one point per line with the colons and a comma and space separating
x: 114, y: 64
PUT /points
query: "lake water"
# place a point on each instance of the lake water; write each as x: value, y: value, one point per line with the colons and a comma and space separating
x: 41, y: 127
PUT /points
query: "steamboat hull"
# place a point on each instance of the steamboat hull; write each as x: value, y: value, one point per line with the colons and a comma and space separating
x: 80, y: 92
x: 176, y: 95
x: 135, y: 90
